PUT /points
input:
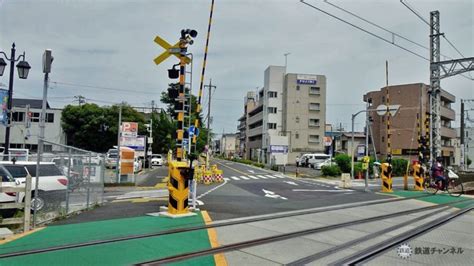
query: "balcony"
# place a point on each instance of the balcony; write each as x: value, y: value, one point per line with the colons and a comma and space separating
x: 448, y: 113
x: 255, y: 131
x: 257, y: 117
x: 447, y: 97
x: 448, y: 132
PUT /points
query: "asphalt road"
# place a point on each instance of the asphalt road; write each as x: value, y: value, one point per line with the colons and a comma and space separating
x: 246, y: 192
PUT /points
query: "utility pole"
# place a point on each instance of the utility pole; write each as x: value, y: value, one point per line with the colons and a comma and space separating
x: 47, y: 61
x: 463, y: 144
x: 440, y: 70
x: 80, y: 99
x: 210, y: 87
x: 119, y: 134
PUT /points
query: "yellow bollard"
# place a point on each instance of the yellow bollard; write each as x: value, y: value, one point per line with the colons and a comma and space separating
x: 219, y: 176
x: 178, y: 188
x: 207, y: 178
x: 418, y: 174
x: 386, y: 177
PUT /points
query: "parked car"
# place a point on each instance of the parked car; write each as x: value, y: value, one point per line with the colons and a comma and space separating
x: 157, y: 160
x: 313, y: 159
x: 52, y: 183
x: 7, y: 197
x: 111, y: 158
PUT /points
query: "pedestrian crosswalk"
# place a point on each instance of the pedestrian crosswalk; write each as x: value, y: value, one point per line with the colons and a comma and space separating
x: 255, y: 177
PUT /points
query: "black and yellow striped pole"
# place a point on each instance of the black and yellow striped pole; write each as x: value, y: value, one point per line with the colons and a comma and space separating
x: 180, y: 171
x: 386, y: 173
x: 201, y: 85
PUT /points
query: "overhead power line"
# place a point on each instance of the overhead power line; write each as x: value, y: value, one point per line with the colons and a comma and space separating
x: 376, y: 25
x: 405, y: 3
x: 415, y: 12
x: 366, y: 31
x: 103, y: 88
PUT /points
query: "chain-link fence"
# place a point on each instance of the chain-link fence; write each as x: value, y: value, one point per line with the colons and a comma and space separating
x: 70, y: 180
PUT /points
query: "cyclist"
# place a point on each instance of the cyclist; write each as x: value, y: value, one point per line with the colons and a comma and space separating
x: 437, y: 171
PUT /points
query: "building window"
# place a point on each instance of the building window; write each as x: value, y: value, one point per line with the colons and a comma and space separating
x: 383, y: 139
x: 297, y: 119
x: 272, y: 110
x: 272, y: 125
x: 314, y: 90
x: 50, y: 118
x: 297, y: 135
x: 35, y: 117
x: 313, y: 139
x: 297, y: 87
x: 272, y: 94
x: 18, y: 116
x: 314, y: 122
x: 314, y: 106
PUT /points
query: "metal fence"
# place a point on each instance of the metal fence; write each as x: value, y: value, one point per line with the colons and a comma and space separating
x: 71, y: 180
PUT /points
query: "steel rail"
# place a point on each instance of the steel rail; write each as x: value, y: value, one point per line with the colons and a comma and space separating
x: 377, y: 250
x: 327, y: 252
x: 285, y: 236
x: 208, y: 226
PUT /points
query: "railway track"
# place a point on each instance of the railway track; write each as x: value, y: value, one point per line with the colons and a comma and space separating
x: 285, y: 236
x: 209, y: 226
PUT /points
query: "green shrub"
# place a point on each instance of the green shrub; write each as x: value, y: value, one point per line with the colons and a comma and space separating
x: 399, y: 167
x: 332, y: 170
x: 343, y: 161
x: 274, y: 167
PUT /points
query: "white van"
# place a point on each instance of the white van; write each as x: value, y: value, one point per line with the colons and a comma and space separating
x: 313, y: 159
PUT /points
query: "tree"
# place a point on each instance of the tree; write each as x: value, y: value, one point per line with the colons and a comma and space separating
x: 94, y: 128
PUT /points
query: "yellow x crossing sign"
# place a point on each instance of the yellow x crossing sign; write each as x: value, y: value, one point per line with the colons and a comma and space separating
x: 169, y: 50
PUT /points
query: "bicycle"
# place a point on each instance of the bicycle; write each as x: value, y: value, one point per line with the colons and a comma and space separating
x: 452, y: 184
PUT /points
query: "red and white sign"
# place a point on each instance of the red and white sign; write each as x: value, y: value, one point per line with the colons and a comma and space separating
x: 129, y: 129
x: 327, y: 141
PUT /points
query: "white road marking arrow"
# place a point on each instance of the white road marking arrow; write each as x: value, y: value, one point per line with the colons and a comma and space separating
x: 322, y: 190
x: 291, y: 183
x: 271, y: 194
x: 199, y: 203
x: 251, y: 171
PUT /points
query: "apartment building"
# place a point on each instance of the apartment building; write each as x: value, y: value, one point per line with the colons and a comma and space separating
x: 414, y: 109
x: 287, y: 118
x: 250, y: 102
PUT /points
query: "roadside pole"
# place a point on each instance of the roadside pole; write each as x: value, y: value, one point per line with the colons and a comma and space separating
x: 47, y: 61
x: 119, y: 133
x: 367, y: 147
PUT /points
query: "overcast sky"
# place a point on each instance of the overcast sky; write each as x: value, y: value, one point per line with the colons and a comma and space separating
x: 110, y: 44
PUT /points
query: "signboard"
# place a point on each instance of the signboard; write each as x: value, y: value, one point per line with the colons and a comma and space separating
x: 3, y: 103
x: 193, y: 131
x: 169, y: 50
x: 129, y: 129
x: 306, y: 79
x: 327, y: 141
x: 396, y: 151
x: 136, y: 143
x: 360, y: 151
x: 279, y: 149
x: 127, y: 158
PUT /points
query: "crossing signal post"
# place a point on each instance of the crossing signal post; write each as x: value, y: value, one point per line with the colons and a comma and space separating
x: 180, y: 172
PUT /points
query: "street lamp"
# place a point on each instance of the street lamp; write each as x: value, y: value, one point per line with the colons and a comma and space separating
x: 23, y: 70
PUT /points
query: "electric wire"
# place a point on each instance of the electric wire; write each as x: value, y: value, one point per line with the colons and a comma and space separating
x: 366, y: 31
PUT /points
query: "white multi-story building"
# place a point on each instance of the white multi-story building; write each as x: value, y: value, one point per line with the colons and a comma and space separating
x: 288, y: 118
x: 24, y: 133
